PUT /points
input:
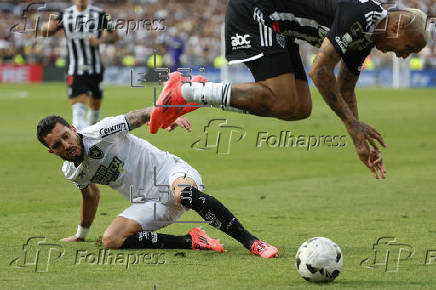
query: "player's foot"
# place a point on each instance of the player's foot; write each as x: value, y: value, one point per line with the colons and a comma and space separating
x: 201, y: 241
x: 264, y: 250
x: 182, y: 111
x: 162, y: 117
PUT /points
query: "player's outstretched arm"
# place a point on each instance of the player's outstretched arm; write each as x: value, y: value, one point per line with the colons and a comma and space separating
x: 90, y: 200
x: 322, y: 74
x: 138, y: 118
x: 347, y: 83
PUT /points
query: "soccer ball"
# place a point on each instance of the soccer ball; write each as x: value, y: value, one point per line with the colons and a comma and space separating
x: 319, y: 260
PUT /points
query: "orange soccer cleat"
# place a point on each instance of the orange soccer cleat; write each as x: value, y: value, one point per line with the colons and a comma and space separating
x: 163, y: 117
x: 263, y: 250
x: 201, y: 241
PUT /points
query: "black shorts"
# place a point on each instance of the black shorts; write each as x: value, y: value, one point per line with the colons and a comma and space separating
x: 85, y: 84
x: 266, y: 53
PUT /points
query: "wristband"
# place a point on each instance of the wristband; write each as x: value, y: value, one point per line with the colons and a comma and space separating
x: 82, y: 232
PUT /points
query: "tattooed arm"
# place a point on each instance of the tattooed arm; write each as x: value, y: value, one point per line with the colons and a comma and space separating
x: 322, y: 74
x: 138, y: 118
x: 347, y: 83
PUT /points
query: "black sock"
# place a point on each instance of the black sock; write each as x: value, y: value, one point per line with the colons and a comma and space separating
x: 152, y: 240
x: 210, y: 209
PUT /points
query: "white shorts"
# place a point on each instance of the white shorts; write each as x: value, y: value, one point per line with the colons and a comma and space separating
x: 155, y: 215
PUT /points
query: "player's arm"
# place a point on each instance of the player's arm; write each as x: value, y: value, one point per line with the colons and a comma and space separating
x: 138, y: 118
x: 90, y: 200
x: 322, y: 74
x: 347, y: 83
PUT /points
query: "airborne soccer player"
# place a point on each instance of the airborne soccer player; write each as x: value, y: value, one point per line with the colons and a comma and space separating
x: 262, y: 34
x: 106, y: 153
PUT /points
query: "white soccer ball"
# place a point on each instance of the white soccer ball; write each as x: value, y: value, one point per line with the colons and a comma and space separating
x: 319, y: 260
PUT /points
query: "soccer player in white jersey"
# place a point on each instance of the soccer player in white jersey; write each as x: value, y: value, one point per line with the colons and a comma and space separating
x: 85, y: 27
x: 106, y: 153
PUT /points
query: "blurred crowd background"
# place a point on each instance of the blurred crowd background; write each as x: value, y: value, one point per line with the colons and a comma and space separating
x: 191, y: 35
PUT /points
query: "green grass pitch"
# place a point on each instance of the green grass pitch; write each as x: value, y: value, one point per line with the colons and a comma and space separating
x: 284, y: 195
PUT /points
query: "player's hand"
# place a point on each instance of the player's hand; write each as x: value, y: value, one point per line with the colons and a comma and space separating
x: 364, y: 137
x: 71, y: 239
x: 180, y: 122
x: 94, y: 41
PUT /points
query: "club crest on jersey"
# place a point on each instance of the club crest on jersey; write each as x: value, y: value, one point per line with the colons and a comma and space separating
x: 113, y: 129
x: 95, y: 152
x: 281, y: 40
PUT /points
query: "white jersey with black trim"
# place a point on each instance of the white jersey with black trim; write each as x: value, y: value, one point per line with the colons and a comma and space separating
x: 121, y: 160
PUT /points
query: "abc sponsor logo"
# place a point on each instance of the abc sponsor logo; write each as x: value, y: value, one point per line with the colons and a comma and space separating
x: 241, y: 41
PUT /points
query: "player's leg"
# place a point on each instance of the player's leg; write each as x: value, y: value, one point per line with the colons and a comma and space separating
x: 96, y: 98
x: 135, y: 229
x: 277, y: 90
x: 280, y: 89
x: 78, y: 95
x: 78, y: 105
x: 184, y: 184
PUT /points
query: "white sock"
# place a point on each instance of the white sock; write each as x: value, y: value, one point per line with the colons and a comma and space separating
x: 93, y: 116
x: 79, y: 111
x: 215, y: 94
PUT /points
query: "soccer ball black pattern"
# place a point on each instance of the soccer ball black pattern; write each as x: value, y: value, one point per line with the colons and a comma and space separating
x: 319, y: 260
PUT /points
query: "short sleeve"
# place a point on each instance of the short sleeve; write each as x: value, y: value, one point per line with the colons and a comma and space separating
x: 81, y: 185
x: 75, y: 174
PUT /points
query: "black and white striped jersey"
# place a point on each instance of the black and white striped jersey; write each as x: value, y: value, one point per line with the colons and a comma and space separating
x: 79, y: 27
x: 260, y: 27
x: 348, y: 24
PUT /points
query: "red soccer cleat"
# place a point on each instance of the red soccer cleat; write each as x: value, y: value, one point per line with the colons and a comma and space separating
x: 162, y: 117
x: 201, y: 241
x: 264, y: 250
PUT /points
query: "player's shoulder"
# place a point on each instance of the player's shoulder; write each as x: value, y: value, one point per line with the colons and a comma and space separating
x: 93, y: 8
x: 107, y: 127
x: 66, y: 11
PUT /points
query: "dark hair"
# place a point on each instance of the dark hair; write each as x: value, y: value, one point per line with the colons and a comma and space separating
x: 46, y: 125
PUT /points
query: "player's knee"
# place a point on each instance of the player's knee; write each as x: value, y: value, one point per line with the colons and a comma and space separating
x: 305, y: 110
x: 191, y: 197
x: 111, y: 242
x: 180, y: 184
x: 288, y: 110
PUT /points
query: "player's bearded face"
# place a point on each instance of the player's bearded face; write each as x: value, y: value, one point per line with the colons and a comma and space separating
x: 65, y: 143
